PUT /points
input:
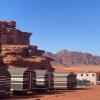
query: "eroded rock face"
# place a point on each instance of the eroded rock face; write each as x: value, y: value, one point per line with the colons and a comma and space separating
x: 7, y: 24
x: 16, y: 50
x: 12, y: 36
x: 33, y: 62
x: 21, y: 50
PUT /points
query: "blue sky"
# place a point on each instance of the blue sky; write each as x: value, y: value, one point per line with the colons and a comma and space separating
x: 57, y: 24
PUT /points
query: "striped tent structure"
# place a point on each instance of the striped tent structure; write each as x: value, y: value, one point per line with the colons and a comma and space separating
x: 64, y: 80
x: 22, y: 79
x: 43, y: 80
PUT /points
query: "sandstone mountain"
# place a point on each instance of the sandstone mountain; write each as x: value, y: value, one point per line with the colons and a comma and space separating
x: 67, y: 58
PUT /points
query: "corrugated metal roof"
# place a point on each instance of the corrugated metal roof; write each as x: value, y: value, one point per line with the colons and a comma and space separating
x: 17, y: 71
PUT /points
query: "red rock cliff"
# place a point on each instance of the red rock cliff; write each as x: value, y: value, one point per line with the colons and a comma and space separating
x: 16, y: 50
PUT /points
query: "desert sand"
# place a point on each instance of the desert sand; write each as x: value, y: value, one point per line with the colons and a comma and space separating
x: 80, y: 68
x: 81, y: 93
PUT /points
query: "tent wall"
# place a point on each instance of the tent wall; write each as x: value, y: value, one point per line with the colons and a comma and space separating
x: 21, y: 79
x: 64, y: 80
x: 4, y: 82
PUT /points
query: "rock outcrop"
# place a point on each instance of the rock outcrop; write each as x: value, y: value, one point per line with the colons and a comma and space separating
x: 16, y: 51
x: 12, y: 36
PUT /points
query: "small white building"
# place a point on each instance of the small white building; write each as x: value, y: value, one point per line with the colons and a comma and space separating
x: 88, y: 78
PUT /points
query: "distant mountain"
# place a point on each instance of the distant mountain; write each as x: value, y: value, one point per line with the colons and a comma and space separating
x: 67, y: 58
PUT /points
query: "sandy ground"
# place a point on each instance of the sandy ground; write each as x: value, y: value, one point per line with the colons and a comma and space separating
x: 82, y: 68
x: 81, y: 93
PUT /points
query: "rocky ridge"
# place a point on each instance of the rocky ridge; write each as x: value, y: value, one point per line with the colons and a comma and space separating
x: 67, y: 58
